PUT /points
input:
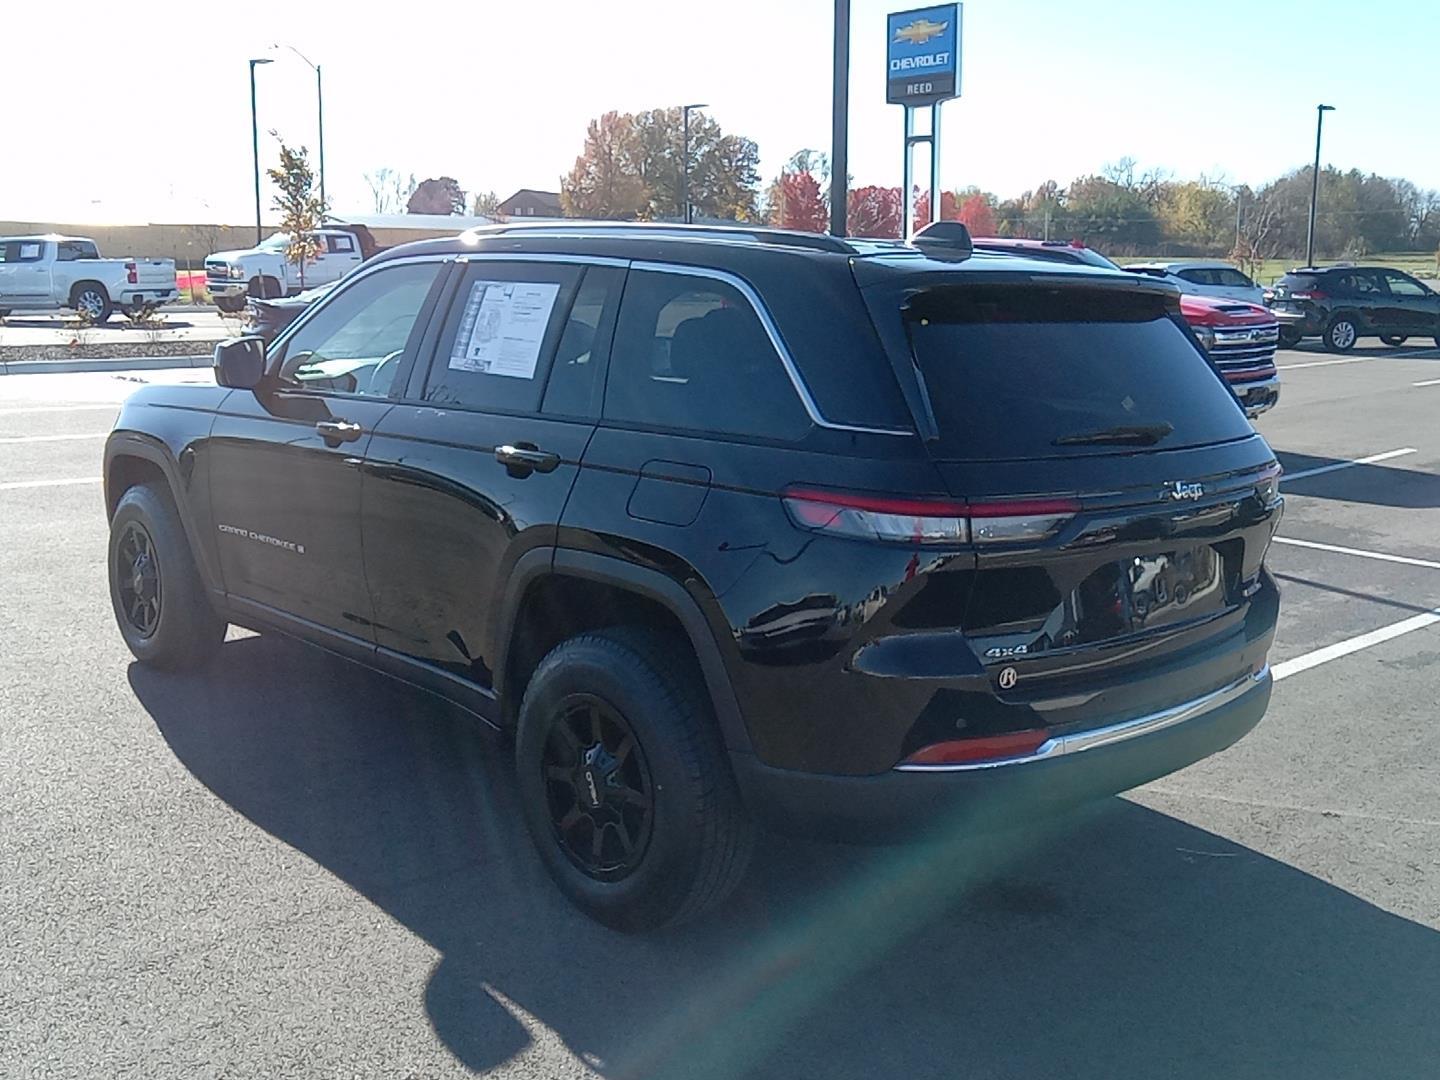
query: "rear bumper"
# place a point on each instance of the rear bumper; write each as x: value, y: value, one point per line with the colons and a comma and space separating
x: 1297, y: 322
x: 1257, y: 397
x: 157, y: 296
x: 1064, y: 772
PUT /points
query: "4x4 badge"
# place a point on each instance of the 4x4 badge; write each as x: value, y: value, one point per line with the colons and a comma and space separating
x: 1178, y: 489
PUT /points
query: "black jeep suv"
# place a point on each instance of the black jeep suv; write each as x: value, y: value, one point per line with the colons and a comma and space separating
x: 729, y: 526
x: 1345, y: 303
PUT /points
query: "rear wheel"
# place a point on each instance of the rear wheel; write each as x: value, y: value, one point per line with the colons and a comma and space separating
x: 1289, y: 338
x: 1394, y: 339
x: 91, y: 301
x: 624, y: 782
x: 159, y: 599
x: 1341, y: 334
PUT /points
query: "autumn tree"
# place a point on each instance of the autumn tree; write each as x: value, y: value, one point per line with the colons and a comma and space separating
x: 390, y: 189
x: 874, y: 211
x: 977, y: 211
x: 487, y: 204
x: 604, y: 182
x: 797, y: 203
x: 949, y: 208
x: 301, y: 210
x: 438, y: 195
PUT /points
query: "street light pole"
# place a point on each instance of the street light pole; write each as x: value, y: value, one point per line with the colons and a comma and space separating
x: 319, y: 112
x: 685, y: 214
x: 1320, y: 111
x: 255, y: 142
x: 840, y: 119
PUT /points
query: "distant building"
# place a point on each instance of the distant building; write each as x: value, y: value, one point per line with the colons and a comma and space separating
x: 528, y: 203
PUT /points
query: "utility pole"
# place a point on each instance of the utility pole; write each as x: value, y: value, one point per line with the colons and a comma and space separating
x: 319, y: 112
x: 255, y: 142
x: 1239, y: 202
x: 840, y: 120
x: 685, y: 213
x: 1320, y: 111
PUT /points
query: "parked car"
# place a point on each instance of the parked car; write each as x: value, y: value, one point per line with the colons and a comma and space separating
x: 1241, y: 340
x: 1345, y: 303
x: 727, y: 525
x: 51, y: 272
x: 263, y: 272
x: 1204, y: 279
x: 1239, y: 337
x: 266, y: 318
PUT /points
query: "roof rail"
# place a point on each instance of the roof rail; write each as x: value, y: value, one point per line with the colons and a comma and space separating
x: 759, y: 234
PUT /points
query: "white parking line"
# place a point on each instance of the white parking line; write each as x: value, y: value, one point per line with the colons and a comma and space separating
x: 1427, y: 382
x: 16, y: 485
x: 1371, y: 460
x: 57, y: 408
x: 51, y: 438
x: 1404, y: 560
x: 1326, y: 363
x: 1306, y: 661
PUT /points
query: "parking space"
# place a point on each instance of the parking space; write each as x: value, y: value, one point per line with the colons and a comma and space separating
x: 291, y: 842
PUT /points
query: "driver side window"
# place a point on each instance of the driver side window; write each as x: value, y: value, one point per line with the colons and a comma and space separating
x: 354, y: 343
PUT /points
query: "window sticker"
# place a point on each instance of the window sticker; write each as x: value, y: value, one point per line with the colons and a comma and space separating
x: 503, y: 328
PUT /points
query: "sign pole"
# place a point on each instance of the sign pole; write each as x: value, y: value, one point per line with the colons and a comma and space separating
x: 935, y: 162
x: 907, y: 183
x: 922, y: 55
x: 840, y: 120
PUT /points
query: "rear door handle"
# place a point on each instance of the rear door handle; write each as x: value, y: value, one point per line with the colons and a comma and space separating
x: 523, y: 458
x: 334, y: 432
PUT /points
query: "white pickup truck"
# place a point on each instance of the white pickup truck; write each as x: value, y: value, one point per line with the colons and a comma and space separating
x: 264, y: 273
x: 48, y: 272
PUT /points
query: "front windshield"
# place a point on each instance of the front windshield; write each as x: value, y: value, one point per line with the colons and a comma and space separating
x: 277, y: 242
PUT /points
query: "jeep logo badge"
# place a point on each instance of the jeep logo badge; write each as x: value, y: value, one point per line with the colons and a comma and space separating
x: 1008, y: 678
x: 1179, y: 490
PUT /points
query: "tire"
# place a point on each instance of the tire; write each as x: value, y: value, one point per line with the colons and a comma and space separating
x: 230, y: 304
x: 1394, y: 339
x: 671, y: 794
x: 91, y: 299
x: 160, y: 602
x: 263, y: 288
x: 1289, y: 339
x: 1341, y: 333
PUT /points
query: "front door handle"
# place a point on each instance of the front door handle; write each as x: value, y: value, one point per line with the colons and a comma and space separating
x: 334, y: 432
x: 521, y: 459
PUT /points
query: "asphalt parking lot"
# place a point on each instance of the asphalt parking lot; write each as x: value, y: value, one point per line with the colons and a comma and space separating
x: 286, y: 866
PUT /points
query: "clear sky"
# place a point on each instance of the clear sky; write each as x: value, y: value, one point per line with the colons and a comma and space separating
x: 101, y: 121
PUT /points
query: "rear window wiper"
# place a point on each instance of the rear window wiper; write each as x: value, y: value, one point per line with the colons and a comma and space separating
x: 1124, y: 435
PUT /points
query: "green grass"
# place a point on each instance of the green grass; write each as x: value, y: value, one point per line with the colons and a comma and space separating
x: 1420, y: 264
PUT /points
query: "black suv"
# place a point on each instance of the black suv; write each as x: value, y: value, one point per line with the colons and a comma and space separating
x: 729, y: 526
x: 1345, y: 303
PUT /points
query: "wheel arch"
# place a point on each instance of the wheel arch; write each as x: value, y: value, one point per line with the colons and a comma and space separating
x: 81, y: 284
x: 599, y: 591
x: 132, y: 458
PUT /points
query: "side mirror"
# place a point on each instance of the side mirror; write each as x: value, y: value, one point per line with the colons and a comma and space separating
x: 240, y: 363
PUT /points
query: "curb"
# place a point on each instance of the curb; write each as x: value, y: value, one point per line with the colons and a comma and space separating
x: 110, y: 363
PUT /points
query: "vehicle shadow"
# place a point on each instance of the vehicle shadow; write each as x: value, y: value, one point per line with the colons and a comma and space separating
x: 1120, y: 942
x: 1378, y: 484
x: 1370, y: 348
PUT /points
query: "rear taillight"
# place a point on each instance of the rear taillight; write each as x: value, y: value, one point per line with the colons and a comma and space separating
x: 132, y: 273
x: 983, y: 748
x: 927, y: 521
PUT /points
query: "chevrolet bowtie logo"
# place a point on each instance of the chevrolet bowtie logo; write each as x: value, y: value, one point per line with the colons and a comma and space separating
x: 920, y: 31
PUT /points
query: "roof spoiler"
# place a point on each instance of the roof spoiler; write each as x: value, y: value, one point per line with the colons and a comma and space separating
x: 949, y: 240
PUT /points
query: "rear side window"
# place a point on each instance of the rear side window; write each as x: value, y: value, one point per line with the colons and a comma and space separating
x: 1356, y: 284
x: 340, y: 245
x: 1197, y: 277
x: 691, y: 353
x: 1232, y: 279
x: 502, y: 329
x: 1016, y: 373
x: 70, y: 250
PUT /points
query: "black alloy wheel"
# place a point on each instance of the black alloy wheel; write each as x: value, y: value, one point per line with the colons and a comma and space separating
x: 137, y: 576
x: 1394, y: 339
x: 598, y: 788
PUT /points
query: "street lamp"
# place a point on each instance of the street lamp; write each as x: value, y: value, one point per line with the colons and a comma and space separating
x: 685, y: 161
x: 255, y: 142
x: 1320, y: 111
x: 319, y: 110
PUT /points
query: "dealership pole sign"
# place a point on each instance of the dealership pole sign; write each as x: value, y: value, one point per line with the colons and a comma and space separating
x: 923, y: 56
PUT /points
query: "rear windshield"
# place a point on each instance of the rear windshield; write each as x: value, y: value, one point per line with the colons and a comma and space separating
x: 1025, y: 372
x: 1297, y: 282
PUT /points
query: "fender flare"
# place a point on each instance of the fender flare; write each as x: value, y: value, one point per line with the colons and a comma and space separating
x: 147, y: 448
x: 644, y: 582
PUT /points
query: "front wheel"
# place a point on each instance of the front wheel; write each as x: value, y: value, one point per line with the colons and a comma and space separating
x: 1341, y: 334
x: 230, y: 304
x: 159, y: 599
x: 624, y: 782
x: 1394, y: 339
